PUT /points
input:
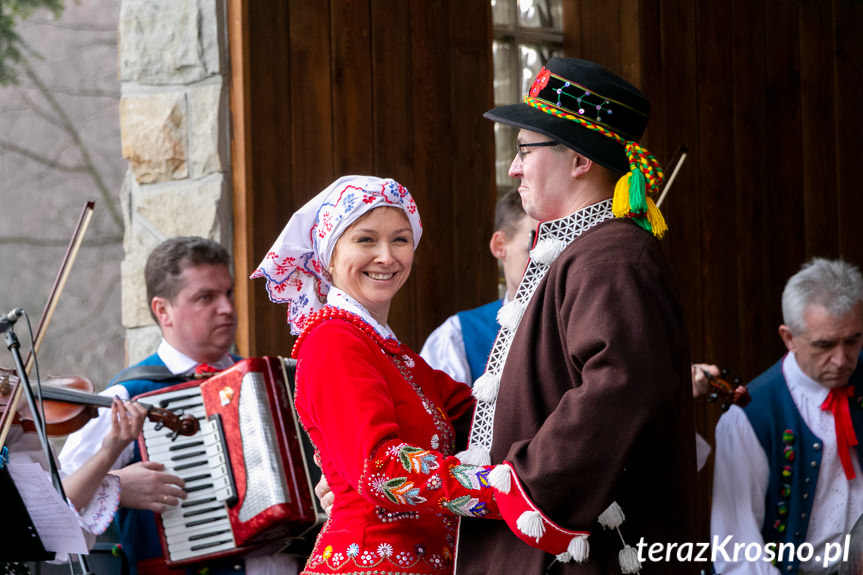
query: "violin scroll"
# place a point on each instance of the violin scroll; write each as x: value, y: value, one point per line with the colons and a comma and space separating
x: 180, y: 424
x: 730, y: 391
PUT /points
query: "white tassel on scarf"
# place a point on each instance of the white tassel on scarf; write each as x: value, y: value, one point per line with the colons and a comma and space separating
x: 629, y: 562
x: 501, y: 478
x: 547, y: 250
x: 530, y: 523
x: 475, y: 455
x: 485, y: 387
x: 612, y: 517
x: 510, y: 315
x: 578, y: 550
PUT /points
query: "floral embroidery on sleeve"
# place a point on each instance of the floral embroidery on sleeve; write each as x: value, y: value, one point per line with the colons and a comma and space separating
x: 471, y: 476
x: 467, y: 506
x: 416, y: 459
x: 401, y: 491
x: 407, y: 475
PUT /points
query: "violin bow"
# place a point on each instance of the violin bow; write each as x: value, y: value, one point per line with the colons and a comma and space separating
x: 59, y: 283
x: 680, y: 157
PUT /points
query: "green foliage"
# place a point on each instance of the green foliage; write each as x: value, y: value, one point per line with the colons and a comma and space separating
x: 11, y: 47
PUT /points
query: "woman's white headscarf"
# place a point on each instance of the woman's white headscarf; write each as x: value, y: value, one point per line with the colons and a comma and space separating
x: 296, y: 265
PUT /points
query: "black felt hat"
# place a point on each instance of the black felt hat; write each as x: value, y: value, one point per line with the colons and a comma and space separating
x: 584, y: 107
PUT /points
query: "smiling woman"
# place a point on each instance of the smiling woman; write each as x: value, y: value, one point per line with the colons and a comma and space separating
x: 380, y: 418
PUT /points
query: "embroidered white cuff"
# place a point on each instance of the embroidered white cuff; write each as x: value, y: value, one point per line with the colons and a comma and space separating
x: 99, y: 511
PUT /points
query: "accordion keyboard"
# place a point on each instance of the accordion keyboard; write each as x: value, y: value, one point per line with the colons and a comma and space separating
x: 199, y: 524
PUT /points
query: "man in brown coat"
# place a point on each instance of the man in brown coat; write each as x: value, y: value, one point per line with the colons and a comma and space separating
x: 587, y: 393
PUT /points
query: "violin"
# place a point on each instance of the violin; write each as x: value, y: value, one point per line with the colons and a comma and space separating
x: 71, y: 403
x: 731, y: 392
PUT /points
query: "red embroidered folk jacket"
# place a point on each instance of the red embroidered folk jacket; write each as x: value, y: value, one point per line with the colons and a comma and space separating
x: 381, y: 424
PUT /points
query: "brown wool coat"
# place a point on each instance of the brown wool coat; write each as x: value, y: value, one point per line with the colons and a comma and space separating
x: 595, y: 406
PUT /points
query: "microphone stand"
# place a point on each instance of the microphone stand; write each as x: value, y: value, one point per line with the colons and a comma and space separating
x: 14, y: 346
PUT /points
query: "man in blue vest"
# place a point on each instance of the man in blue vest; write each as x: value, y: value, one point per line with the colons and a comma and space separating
x: 787, y: 486
x: 461, y: 345
x: 190, y: 292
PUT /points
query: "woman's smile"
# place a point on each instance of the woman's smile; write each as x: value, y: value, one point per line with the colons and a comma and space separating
x: 373, y: 258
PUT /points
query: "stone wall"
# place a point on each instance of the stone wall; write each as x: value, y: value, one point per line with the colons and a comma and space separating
x: 174, y: 121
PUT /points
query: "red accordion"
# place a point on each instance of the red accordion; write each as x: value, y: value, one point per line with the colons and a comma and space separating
x: 247, y: 471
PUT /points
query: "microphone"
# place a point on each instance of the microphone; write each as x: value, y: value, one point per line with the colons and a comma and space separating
x: 9, y: 319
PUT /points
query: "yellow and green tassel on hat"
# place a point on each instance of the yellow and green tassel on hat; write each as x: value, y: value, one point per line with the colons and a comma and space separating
x: 631, y: 193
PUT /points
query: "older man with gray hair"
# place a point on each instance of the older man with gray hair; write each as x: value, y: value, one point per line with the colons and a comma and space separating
x: 787, y: 484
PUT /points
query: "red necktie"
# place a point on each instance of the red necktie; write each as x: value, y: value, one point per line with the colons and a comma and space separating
x: 206, y: 369
x: 846, y: 439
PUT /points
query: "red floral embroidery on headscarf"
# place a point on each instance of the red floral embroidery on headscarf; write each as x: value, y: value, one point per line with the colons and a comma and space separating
x: 285, y: 266
x: 540, y: 82
x: 294, y: 266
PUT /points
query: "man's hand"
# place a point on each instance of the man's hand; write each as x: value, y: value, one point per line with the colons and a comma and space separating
x: 325, y: 496
x: 700, y: 384
x: 144, y: 485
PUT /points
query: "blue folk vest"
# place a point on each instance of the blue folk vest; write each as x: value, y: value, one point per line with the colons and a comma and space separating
x: 479, y: 327
x: 793, y: 454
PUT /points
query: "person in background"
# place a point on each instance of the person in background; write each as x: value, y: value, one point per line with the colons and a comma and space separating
x: 787, y: 466
x: 380, y: 418
x: 460, y: 346
x: 190, y: 291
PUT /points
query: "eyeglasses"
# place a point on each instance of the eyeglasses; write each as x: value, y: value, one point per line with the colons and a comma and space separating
x: 521, y: 153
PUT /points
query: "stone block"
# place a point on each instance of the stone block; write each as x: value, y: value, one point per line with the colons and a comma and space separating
x: 155, y: 137
x: 166, y: 42
x: 193, y: 209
